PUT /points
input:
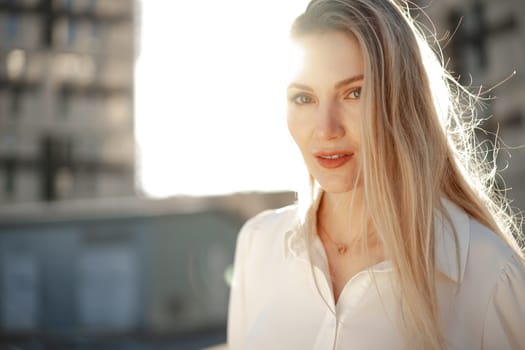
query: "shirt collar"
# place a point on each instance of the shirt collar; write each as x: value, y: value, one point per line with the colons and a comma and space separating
x: 297, y: 239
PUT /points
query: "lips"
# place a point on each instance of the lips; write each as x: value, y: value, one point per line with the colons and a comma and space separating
x: 333, y: 159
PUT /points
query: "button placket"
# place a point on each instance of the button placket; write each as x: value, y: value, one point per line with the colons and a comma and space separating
x: 326, y: 338
x: 353, y: 292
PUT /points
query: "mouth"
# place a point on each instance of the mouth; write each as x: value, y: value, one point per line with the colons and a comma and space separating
x: 332, y: 160
x: 334, y: 156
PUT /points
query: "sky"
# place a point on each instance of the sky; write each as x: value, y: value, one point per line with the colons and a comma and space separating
x: 210, y: 97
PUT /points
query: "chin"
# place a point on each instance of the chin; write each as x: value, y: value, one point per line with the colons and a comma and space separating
x: 337, y: 186
x: 336, y: 190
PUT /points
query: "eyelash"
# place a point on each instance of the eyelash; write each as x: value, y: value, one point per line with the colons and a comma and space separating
x: 352, y: 91
x: 295, y: 98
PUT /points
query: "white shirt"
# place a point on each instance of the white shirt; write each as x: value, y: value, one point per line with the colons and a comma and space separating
x: 281, y: 297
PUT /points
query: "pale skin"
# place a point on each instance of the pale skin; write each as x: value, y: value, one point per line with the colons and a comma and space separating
x: 324, y: 112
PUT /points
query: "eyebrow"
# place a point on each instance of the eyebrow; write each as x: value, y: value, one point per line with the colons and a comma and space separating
x: 338, y: 85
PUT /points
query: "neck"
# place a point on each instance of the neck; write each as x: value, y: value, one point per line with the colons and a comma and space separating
x: 342, y: 216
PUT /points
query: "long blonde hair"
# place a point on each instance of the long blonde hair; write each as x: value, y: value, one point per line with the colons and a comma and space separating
x: 417, y: 147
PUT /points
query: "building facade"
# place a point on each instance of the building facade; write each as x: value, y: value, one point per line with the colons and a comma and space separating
x: 484, y: 42
x: 66, y: 99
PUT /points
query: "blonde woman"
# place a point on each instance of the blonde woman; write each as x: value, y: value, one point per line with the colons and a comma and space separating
x: 402, y: 243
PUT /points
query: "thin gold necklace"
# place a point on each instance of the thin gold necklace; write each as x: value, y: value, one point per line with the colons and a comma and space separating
x: 342, y: 248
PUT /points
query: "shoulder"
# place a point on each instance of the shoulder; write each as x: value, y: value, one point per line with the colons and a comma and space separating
x: 268, y: 226
x: 483, y: 253
x: 489, y: 265
x: 488, y: 253
x: 500, y: 286
x: 271, y: 218
x: 489, y: 299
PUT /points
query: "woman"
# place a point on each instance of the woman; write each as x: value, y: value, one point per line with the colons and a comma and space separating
x: 402, y: 243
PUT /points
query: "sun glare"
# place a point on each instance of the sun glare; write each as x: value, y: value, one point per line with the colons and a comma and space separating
x: 210, y: 97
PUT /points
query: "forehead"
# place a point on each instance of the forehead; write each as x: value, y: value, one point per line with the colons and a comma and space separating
x: 328, y: 57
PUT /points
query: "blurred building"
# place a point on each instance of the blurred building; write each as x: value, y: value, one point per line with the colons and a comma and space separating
x: 121, y: 274
x: 487, y: 47
x: 66, y: 99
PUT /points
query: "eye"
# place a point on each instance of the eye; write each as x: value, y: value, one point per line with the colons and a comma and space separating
x: 301, y: 99
x: 353, y: 94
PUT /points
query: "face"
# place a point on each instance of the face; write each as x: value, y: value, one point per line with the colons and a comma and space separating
x: 324, y: 108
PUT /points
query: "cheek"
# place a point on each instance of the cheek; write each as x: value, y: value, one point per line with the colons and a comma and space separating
x: 295, y: 127
x: 353, y: 123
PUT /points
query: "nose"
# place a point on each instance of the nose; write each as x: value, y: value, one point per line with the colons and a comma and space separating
x: 329, y: 122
